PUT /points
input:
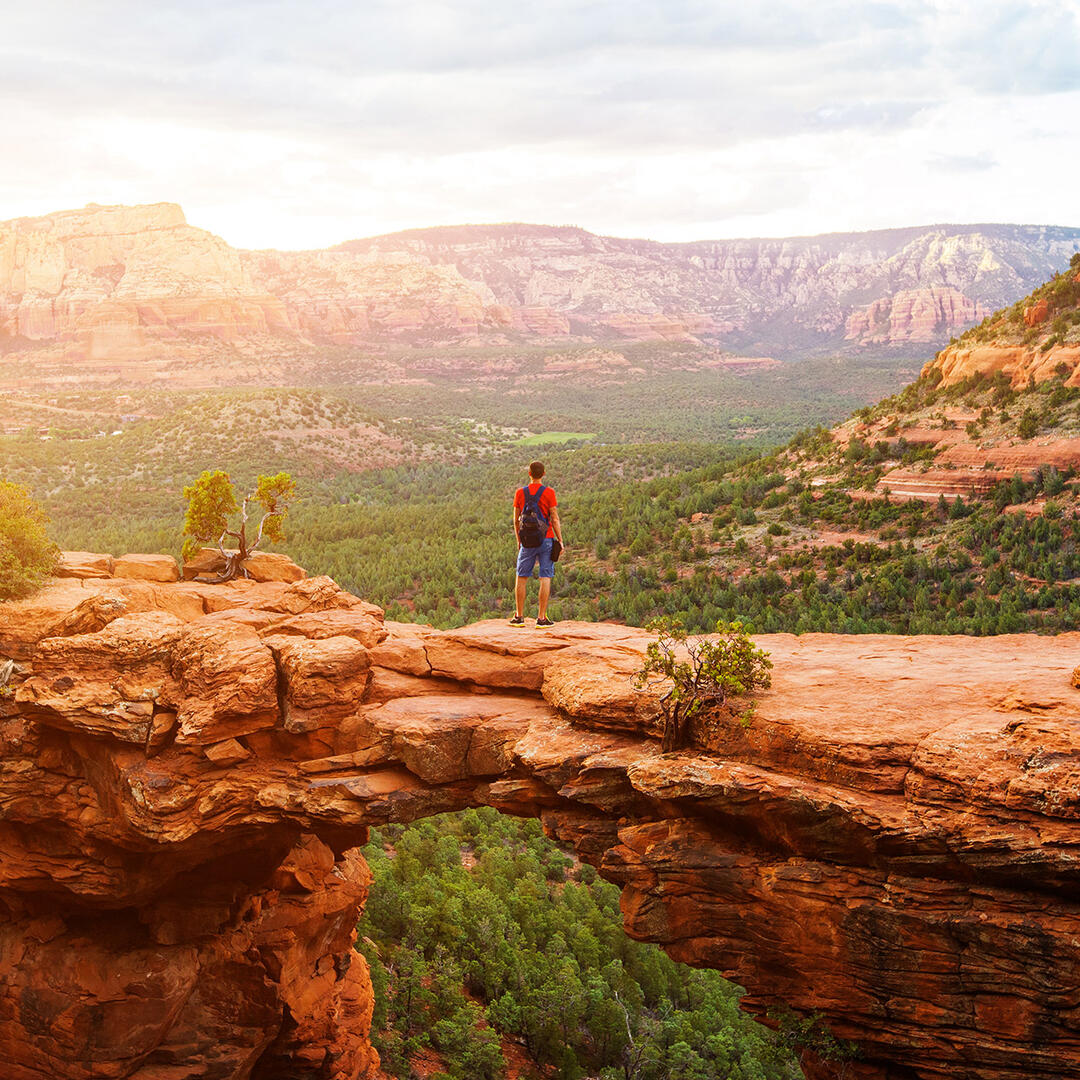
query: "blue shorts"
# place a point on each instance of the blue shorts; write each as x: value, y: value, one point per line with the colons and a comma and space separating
x: 527, y: 558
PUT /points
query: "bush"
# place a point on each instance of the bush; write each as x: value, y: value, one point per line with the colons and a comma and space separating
x: 27, y: 555
x: 700, y: 673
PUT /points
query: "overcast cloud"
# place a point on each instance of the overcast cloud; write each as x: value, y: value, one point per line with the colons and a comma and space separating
x: 289, y: 124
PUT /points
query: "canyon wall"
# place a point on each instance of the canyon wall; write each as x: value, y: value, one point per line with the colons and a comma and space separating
x: 108, y: 278
x: 105, y: 282
x: 187, y: 770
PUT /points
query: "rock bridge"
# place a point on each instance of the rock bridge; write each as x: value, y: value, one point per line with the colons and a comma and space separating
x: 187, y: 771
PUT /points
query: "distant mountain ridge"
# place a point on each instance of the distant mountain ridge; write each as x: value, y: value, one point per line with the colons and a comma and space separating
x: 105, y: 280
x: 914, y: 286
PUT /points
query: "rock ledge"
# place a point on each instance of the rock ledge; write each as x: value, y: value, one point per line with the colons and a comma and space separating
x: 187, y: 771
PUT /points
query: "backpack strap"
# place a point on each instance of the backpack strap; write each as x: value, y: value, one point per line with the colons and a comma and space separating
x: 534, y: 500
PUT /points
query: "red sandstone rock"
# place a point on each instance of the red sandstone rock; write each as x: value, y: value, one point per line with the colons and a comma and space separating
x: 387, y: 685
x: 317, y: 594
x: 260, y: 566
x: 892, y: 841
x: 404, y: 649
x: 1036, y: 313
x: 362, y: 622
x: 227, y: 752
x: 106, y: 682
x: 495, y: 654
x: 146, y: 568
x: 204, y: 563
x: 1023, y: 365
x: 323, y: 679
x: 272, y: 566
x: 227, y: 684
x: 84, y: 564
x: 922, y: 315
x: 594, y: 686
x: 90, y: 616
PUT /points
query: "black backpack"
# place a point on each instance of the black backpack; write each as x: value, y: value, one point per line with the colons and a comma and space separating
x: 532, y: 525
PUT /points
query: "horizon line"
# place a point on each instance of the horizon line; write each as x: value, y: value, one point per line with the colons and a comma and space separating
x: 415, y: 229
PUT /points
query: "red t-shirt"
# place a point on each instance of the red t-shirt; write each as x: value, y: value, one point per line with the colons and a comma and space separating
x: 547, y: 501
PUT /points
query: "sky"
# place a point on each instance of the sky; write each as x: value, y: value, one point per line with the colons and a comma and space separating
x: 278, y: 123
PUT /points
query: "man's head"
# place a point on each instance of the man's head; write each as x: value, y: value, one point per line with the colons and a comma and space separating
x: 536, y: 469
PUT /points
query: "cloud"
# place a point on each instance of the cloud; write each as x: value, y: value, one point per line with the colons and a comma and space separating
x: 292, y: 123
x: 962, y: 163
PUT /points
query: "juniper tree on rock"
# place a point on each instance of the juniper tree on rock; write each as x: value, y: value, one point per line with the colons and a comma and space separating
x: 696, y: 673
x: 211, y: 503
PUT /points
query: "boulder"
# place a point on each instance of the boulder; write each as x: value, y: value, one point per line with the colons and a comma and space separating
x: 272, y: 566
x: 317, y: 594
x: 84, y: 564
x: 206, y: 562
x: 90, y: 616
x: 1037, y: 313
x: 259, y: 566
x: 147, y: 568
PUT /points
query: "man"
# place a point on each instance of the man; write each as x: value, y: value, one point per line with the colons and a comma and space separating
x: 535, y: 502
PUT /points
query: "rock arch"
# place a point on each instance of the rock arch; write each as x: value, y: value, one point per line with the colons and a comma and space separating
x: 186, y: 770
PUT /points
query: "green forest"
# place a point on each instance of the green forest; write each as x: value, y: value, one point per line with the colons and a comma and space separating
x: 784, y: 540
x: 478, y: 928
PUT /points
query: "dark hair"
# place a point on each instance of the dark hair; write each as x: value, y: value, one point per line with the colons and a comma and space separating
x: 536, y: 469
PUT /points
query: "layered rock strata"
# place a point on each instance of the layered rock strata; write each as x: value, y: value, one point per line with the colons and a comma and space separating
x: 109, y: 284
x: 108, y: 279
x: 187, y: 771
x: 915, y: 315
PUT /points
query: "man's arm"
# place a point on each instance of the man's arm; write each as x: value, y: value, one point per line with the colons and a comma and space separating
x: 517, y: 536
x: 555, y: 525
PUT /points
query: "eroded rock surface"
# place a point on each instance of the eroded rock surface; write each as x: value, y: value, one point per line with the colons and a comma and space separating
x: 109, y: 284
x: 187, y: 771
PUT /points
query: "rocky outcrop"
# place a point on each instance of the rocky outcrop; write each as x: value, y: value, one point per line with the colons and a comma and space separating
x: 107, y: 283
x: 187, y: 770
x: 1037, y: 313
x: 1032, y: 342
x: 966, y: 467
x: 105, y: 280
x: 914, y: 315
x: 1022, y: 365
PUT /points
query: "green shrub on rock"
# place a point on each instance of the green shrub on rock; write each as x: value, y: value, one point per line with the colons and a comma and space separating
x: 696, y: 673
x: 27, y: 555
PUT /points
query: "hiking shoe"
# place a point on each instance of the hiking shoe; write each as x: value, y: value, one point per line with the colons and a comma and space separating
x: 544, y: 624
x: 518, y: 621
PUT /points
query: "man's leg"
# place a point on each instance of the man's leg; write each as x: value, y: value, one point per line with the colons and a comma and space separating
x: 519, y: 594
x: 545, y: 592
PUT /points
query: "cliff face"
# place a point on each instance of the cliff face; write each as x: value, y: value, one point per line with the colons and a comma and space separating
x: 113, y: 281
x: 1034, y: 340
x: 187, y: 770
x: 788, y: 295
x: 106, y: 278
x: 915, y: 315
